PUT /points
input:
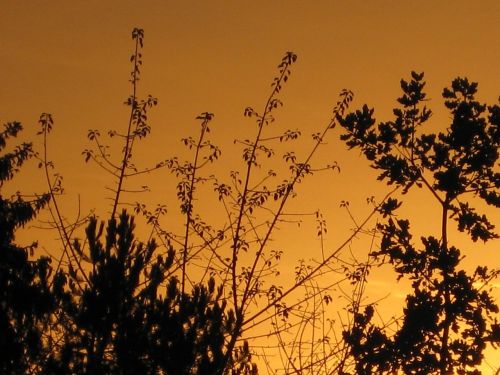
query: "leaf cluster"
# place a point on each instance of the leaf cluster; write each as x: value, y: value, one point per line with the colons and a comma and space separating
x: 450, y: 315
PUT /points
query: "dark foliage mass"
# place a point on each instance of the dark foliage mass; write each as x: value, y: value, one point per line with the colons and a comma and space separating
x: 112, y: 304
x: 120, y: 322
x: 26, y: 299
x: 449, y: 317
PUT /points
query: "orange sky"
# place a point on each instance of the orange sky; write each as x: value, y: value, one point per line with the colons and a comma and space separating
x: 71, y: 59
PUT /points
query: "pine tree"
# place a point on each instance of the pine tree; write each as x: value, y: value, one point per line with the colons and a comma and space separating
x: 26, y: 300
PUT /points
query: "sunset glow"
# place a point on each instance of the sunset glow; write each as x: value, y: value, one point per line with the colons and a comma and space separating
x: 72, y: 60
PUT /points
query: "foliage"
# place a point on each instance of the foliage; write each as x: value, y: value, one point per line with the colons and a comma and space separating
x: 189, y: 301
x: 112, y: 306
x: 450, y: 316
x: 26, y: 298
x: 123, y: 324
x: 236, y: 254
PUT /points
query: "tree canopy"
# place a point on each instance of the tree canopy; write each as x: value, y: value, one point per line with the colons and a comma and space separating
x: 182, y: 303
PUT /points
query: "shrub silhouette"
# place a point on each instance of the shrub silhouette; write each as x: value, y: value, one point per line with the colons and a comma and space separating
x: 124, y: 322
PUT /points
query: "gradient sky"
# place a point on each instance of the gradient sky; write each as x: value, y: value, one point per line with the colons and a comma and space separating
x: 71, y: 59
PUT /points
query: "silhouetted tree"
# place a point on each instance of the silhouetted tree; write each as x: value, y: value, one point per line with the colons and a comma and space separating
x: 253, y: 202
x: 112, y: 304
x: 125, y: 322
x: 26, y: 299
x: 450, y: 315
x: 121, y: 307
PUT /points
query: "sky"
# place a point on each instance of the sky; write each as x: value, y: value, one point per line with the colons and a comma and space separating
x: 71, y: 59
